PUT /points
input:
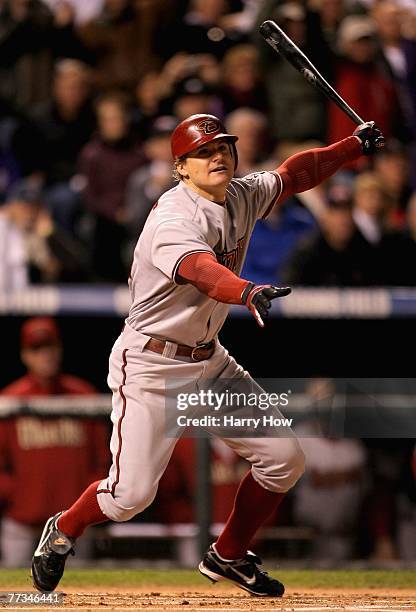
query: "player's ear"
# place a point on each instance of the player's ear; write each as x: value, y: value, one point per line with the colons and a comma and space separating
x: 180, y: 168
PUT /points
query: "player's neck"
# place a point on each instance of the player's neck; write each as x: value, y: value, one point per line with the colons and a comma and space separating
x: 214, y: 195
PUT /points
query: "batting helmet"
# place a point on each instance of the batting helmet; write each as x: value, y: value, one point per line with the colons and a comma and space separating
x: 197, y: 130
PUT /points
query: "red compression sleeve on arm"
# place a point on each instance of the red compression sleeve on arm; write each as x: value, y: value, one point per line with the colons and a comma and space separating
x: 309, y: 168
x: 215, y: 280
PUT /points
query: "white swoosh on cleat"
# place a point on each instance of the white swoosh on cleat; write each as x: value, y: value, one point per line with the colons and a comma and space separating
x: 246, y: 579
x: 43, y: 538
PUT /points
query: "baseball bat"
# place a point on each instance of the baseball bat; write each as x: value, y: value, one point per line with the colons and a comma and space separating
x: 284, y: 45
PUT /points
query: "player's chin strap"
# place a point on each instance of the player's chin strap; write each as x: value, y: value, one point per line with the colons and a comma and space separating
x: 258, y: 298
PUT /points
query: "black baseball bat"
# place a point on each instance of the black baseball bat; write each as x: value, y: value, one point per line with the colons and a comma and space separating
x: 284, y: 45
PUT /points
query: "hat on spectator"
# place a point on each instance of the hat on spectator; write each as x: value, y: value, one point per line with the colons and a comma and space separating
x: 192, y: 86
x: 39, y: 331
x: 291, y: 11
x: 339, y: 191
x: 355, y: 27
x: 163, y: 126
x: 25, y: 191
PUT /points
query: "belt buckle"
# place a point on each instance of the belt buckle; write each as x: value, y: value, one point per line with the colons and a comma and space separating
x: 202, y: 347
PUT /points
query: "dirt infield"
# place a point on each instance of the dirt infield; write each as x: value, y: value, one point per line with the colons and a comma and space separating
x: 227, y: 598
x: 153, y: 590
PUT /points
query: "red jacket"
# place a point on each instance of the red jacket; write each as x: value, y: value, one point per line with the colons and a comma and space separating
x: 370, y: 94
x: 107, y: 168
x: 47, y: 462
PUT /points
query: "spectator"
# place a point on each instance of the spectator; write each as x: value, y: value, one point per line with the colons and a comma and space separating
x: 106, y: 163
x: 65, y: 125
x: 291, y: 121
x: 242, y: 84
x: 387, y: 19
x: 124, y: 39
x: 330, y: 13
x: 13, y: 269
x: 274, y: 241
x: 373, y: 217
x: 393, y: 169
x: 253, y: 146
x: 193, y: 96
x: 385, y: 459
x: 183, y: 67
x: 362, y: 83
x: 31, y: 40
x: 275, y: 238
x: 398, y: 249
x: 337, y: 255
x: 201, y: 30
x: 407, y: 509
x: 35, y: 450
x: 371, y: 207
x: 11, y: 158
x: 33, y: 249
x: 334, y: 478
x: 83, y: 11
x: 396, y: 56
x: 244, y: 17
x: 19, y: 147
x: 147, y: 102
x: 147, y: 184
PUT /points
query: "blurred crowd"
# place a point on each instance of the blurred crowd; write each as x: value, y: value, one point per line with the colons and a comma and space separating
x: 91, y: 91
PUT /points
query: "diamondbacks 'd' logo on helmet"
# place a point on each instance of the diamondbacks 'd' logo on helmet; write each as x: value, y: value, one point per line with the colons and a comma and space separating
x: 197, y: 130
x: 208, y: 126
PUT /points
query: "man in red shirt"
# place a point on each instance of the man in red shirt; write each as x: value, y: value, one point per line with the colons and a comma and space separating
x: 36, y: 450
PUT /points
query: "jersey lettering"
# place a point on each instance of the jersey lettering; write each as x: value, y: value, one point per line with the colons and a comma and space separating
x: 230, y: 259
x: 32, y: 433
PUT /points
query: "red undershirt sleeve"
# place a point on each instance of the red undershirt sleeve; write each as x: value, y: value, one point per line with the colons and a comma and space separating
x: 307, y: 169
x: 299, y: 173
x: 215, y: 280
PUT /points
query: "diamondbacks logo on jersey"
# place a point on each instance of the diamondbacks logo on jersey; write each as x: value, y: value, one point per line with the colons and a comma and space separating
x: 208, y: 126
x: 229, y: 259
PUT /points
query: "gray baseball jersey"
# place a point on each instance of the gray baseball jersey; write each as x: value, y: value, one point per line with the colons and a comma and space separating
x: 183, y: 222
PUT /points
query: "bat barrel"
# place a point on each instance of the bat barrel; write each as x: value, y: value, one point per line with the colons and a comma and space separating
x: 281, y: 43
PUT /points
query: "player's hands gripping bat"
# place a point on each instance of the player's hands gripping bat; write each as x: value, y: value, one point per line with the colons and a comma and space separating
x: 371, y: 137
x: 258, y: 298
x: 284, y: 45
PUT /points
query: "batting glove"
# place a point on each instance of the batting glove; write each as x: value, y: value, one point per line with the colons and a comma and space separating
x: 258, y: 298
x: 372, y: 139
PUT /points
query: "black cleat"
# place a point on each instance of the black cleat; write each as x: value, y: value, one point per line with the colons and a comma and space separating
x: 48, y: 561
x: 244, y: 572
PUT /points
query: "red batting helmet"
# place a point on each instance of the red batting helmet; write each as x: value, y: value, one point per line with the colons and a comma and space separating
x: 197, y: 130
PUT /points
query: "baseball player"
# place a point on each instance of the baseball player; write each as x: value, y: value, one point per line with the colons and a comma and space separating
x: 35, y: 448
x: 185, y: 273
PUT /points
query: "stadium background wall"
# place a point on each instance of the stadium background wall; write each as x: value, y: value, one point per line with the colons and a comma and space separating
x: 302, y: 347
